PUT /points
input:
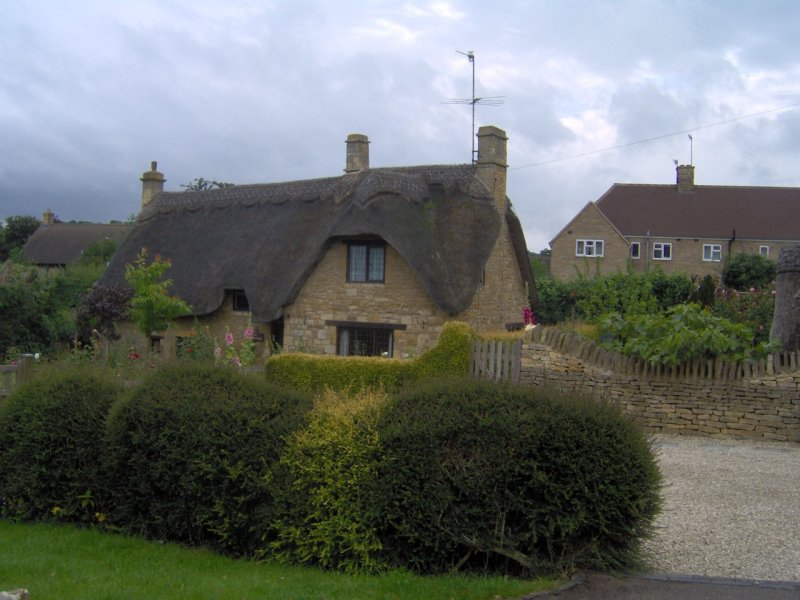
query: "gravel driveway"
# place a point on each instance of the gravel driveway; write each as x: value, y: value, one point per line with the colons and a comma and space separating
x: 732, y: 509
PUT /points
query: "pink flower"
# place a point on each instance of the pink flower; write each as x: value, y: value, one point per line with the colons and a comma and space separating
x: 249, y: 332
x: 228, y: 338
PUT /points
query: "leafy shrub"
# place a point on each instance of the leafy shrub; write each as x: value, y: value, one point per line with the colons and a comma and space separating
x: 745, y: 271
x: 340, y: 373
x: 331, y: 464
x: 51, y: 442
x: 192, y: 452
x: 476, y: 475
x: 450, y: 356
x: 755, y: 309
x: 625, y: 293
x: 685, y: 332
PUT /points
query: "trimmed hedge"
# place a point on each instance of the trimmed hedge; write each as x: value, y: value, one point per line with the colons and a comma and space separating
x: 192, y: 453
x: 51, y: 445
x: 340, y: 373
x: 463, y: 475
x: 478, y: 475
x: 450, y: 357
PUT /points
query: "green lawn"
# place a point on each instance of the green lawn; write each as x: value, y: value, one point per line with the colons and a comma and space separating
x: 65, y: 562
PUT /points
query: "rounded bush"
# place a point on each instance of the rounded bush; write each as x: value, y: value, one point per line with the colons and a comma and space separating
x: 192, y: 453
x: 330, y: 466
x: 481, y: 476
x: 51, y: 445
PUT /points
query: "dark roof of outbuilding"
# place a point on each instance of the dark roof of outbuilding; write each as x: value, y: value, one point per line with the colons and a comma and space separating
x: 266, y: 239
x: 64, y: 243
x: 707, y: 211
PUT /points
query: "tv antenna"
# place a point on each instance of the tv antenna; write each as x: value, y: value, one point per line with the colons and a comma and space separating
x: 486, y: 100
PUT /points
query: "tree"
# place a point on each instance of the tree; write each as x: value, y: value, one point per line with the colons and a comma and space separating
x: 101, y: 308
x: 99, y: 253
x: 200, y: 184
x: 745, y: 271
x: 152, y: 308
x: 16, y: 232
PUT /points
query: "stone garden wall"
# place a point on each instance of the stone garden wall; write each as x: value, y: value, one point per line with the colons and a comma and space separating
x: 713, y: 398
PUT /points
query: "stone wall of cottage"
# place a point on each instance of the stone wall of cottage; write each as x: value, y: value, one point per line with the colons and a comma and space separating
x: 216, y: 324
x: 327, y: 299
x: 713, y: 399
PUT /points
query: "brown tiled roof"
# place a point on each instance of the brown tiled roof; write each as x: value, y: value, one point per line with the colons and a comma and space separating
x: 63, y: 243
x: 708, y: 211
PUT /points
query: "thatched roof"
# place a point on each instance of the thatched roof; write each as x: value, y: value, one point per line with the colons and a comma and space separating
x: 64, y: 243
x: 267, y: 239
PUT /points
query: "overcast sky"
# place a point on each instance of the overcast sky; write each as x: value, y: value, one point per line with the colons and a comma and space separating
x: 259, y: 91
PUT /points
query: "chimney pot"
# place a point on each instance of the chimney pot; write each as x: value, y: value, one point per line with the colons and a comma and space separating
x: 492, y: 162
x: 152, y: 183
x: 357, y: 153
x: 685, y: 178
x: 48, y: 218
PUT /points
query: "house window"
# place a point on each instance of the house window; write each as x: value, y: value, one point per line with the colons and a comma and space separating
x: 712, y: 252
x: 365, y: 262
x: 364, y: 341
x: 588, y: 247
x: 635, y: 250
x: 764, y: 251
x: 240, y: 301
x: 662, y: 251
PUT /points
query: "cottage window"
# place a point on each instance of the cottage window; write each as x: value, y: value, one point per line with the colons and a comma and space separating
x: 364, y: 341
x: 589, y: 247
x: 635, y: 250
x: 240, y: 301
x: 366, y: 262
x: 712, y: 252
x: 764, y: 251
x: 662, y: 251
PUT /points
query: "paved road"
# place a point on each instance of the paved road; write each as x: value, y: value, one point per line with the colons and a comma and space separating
x: 604, y: 587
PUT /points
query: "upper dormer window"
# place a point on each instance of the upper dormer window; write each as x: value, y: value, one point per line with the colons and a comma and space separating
x: 366, y: 261
x: 240, y: 301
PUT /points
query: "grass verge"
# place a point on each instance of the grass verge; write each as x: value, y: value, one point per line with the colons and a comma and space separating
x: 66, y: 562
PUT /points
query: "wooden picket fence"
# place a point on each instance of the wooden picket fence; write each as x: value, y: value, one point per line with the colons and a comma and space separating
x: 16, y: 374
x: 497, y: 360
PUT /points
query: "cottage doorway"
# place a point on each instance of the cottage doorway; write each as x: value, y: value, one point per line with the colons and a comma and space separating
x: 276, y: 332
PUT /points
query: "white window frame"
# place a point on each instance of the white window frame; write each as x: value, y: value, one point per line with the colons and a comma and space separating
x: 659, y: 248
x: 763, y: 251
x: 638, y: 247
x: 590, y: 248
x: 712, y: 252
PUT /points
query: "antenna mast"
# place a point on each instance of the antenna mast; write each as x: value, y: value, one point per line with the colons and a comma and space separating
x: 488, y: 101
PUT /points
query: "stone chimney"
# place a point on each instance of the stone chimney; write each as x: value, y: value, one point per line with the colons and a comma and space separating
x: 48, y: 218
x: 357, y: 153
x: 492, y: 162
x: 685, y: 178
x: 152, y: 183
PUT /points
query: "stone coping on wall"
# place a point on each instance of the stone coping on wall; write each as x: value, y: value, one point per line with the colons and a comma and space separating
x: 710, y: 398
x: 784, y: 366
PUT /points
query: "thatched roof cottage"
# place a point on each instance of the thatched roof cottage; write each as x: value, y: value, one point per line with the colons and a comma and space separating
x: 371, y: 262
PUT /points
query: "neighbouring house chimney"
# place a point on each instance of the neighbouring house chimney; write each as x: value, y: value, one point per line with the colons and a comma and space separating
x: 357, y: 153
x: 685, y: 178
x: 152, y: 183
x: 48, y: 218
x: 492, y: 162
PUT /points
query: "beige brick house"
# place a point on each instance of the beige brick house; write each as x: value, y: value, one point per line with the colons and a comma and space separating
x: 677, y: 228
x: 372, y: 262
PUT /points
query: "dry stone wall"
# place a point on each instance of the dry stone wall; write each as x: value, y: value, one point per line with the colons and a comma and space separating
x: 704, y: 398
